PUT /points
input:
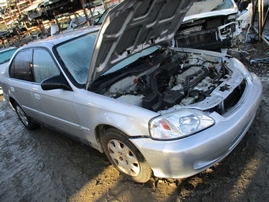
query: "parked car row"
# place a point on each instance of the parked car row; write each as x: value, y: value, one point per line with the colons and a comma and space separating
x: 152, y: 108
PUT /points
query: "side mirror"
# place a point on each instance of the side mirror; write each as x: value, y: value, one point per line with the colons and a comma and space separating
x: 55, y: 82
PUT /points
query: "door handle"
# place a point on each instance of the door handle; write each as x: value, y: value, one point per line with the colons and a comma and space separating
x: 37, y: 96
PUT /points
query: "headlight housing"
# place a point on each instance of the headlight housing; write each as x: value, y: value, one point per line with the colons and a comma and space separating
x: 180, y: 124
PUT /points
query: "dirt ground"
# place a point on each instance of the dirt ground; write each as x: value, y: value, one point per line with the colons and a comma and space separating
x: 42, y: 165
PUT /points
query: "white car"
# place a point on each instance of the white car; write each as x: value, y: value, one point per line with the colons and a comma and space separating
x: 214, y: 25
x: 151, y: 108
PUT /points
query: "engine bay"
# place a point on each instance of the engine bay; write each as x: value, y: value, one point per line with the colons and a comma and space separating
x: 164, y: 79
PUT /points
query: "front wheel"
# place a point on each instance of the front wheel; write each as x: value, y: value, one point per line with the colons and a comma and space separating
x: 26, y: 120
x: 125, y: 156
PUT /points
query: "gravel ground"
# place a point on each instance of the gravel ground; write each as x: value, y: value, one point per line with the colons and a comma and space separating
x: 42, y: 165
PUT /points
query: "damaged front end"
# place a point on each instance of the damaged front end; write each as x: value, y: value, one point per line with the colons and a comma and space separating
x: 214, y: 25
x: 168, y: 79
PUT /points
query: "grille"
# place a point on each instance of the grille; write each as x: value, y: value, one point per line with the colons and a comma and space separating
x: 231, y: 100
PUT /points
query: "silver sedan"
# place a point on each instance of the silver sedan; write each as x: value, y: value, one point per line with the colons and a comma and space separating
x: 151, y: 108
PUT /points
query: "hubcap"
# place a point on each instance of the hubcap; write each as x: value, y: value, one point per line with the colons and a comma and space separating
x: 22, y: 115
x: 123, y: 157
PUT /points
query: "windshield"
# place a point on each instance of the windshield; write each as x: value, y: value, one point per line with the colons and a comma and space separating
x: 76, y: 56
x: 204, y: 6
x: 6, y: 55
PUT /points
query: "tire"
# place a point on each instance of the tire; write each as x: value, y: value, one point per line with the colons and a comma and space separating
x: 26, y: 120
x: 125, y: 156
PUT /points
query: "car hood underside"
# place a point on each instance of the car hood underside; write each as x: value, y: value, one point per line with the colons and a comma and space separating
x: 132, y: 26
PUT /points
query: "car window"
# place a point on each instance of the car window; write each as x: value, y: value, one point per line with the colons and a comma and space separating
x: 43, y: 65
x: 100, y: 19
x: 76, y: 55
x: 6, y: 55
x: 21, y: 66
x: 204, y: 6
x: 65, y: 24
x: 224, y: 5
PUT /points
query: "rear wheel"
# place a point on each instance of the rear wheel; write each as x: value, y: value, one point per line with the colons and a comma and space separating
x: 125, y: 156
x: 26, y: 120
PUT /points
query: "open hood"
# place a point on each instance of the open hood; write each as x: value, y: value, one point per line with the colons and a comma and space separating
x: 132, y: 26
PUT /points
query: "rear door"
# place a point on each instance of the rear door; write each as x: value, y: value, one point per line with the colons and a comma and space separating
x: 21, y: 82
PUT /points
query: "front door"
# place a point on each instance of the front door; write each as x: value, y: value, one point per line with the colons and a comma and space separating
x: 55, y: 106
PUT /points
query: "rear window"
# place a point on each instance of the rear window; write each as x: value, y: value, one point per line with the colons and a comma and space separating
x: 21, y: 66
x: 204, y: 6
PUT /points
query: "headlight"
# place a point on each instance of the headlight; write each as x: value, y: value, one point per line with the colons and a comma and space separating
x: 180, y: 124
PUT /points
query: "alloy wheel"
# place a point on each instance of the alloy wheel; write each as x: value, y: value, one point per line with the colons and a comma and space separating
x: 123, y: 157
x: 22, y: 115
